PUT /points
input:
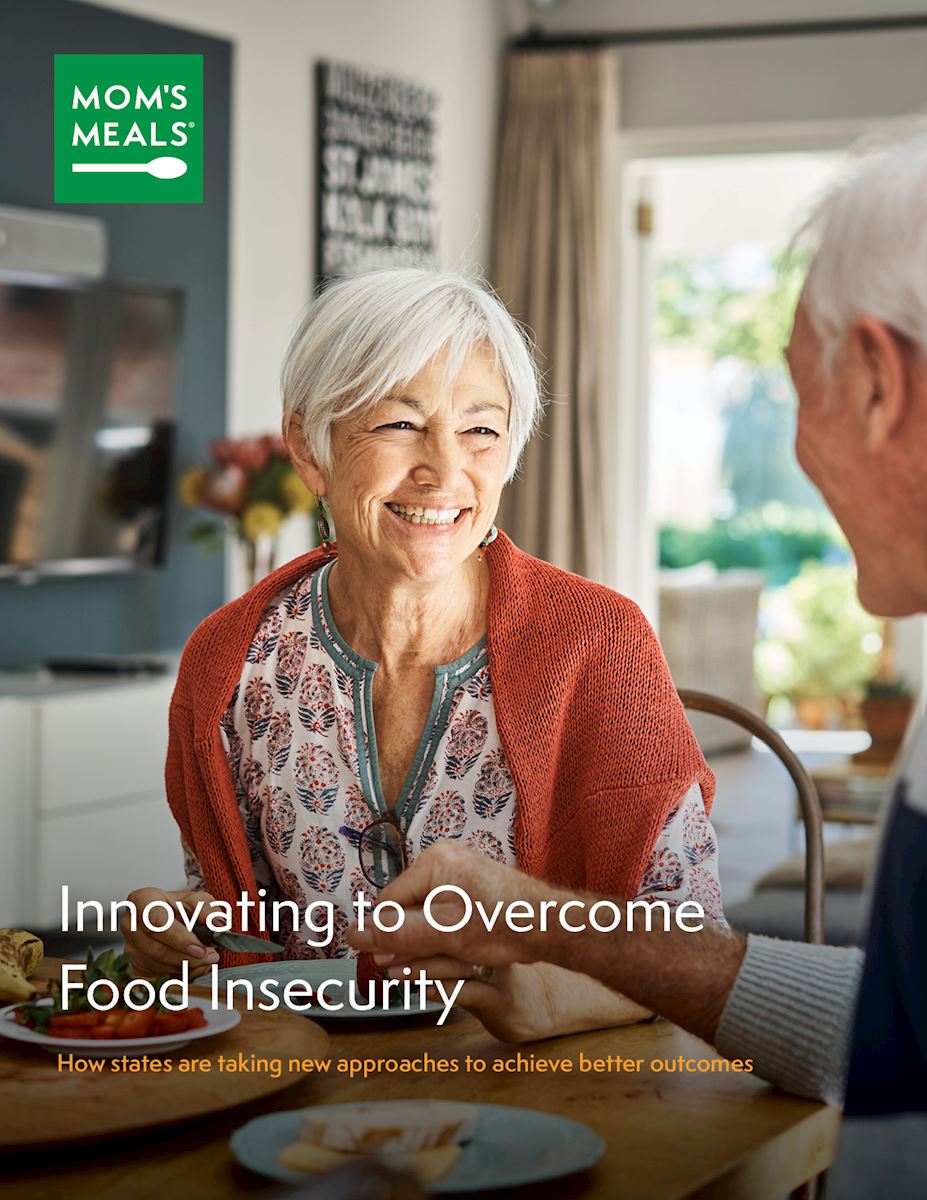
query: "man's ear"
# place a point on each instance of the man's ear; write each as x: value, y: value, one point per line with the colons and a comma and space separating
x: 298, y: 449
x: 882, y: 356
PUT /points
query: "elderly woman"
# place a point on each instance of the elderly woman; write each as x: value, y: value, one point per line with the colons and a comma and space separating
x: 424, y: 679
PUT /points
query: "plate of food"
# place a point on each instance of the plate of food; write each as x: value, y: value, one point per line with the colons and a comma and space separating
x: 449, y: 1146
x: 120, y: 1030
x: 343, y: 990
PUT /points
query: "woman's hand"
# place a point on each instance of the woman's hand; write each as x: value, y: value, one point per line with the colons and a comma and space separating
x: 163, y: 953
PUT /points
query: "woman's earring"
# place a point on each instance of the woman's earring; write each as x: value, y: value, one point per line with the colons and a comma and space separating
x: 487, y: 540
x: 325, y: 530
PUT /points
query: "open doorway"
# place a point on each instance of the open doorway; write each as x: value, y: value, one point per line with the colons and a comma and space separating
x: 757, y: 592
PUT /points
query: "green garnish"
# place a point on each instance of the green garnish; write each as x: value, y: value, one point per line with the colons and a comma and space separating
x: 108, y: 965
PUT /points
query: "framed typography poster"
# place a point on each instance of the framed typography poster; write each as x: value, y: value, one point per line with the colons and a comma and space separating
x: 377, y: 171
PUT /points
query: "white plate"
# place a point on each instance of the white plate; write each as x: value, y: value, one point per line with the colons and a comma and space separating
x: 218, y: 1020
x: 315, y: 971
x: 509, y: 1147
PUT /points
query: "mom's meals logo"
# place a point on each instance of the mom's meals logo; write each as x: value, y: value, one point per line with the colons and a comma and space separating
x: 128, y: 128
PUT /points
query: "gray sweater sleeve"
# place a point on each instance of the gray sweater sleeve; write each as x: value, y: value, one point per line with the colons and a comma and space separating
x: 791, y: 1010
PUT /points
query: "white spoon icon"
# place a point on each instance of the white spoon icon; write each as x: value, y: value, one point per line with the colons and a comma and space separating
x: 160, y: 168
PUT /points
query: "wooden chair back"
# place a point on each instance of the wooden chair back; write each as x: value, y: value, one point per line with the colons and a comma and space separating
x: 807, y: 797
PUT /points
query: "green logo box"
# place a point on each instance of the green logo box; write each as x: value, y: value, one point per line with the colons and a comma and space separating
x: 128, y: 128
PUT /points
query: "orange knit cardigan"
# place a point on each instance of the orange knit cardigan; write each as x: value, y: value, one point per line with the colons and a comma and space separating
x: 595, y: 735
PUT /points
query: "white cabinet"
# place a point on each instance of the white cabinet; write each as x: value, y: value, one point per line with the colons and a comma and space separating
x: 82, y: 793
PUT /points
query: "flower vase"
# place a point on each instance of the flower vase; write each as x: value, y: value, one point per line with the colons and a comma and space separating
x: 260, y: 557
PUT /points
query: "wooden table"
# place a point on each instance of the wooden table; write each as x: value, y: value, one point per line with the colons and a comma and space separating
x: 852, y: 793
x: 668, y: 1136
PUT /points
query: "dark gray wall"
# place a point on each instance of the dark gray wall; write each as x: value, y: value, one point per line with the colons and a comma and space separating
x: 184, y: 245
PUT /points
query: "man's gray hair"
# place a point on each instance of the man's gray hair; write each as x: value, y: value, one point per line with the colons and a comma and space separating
x: 370, y: 333
x: 871, y: 242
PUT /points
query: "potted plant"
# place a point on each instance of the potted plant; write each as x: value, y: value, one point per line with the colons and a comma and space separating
x: 886, y: 710
x: 820, y: 647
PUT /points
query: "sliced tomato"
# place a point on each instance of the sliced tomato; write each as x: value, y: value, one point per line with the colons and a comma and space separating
x: 136, y: 1024
x: 99, y: 1033
x: 68, y: 1021
x: 169, y: 1022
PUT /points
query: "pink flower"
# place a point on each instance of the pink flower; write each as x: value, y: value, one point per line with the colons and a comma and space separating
x: 225, y: 452
x: 250, y: 453
x: 226, y: 491
x: 253, y: 453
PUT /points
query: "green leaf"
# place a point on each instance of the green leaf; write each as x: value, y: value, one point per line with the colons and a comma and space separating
x: 208, y: 535
x: 264, y: 485
x: 122, y: 964
x: 203, y: 530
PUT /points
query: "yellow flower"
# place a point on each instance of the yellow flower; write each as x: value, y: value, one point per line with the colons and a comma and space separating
x: 260, y: 520
x: 297, y: 496
x: 191, y: 485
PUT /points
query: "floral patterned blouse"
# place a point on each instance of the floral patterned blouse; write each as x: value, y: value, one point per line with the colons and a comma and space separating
x: 301, y: 746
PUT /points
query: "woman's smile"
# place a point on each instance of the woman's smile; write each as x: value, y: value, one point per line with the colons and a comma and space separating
x: 429, y: 518
x: 416, y: 478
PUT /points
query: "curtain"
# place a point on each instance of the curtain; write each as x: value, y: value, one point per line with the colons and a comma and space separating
x: 554, y: 268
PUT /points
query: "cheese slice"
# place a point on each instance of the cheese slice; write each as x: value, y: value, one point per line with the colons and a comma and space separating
x: 428, y: 1166
x: 393, y: 1127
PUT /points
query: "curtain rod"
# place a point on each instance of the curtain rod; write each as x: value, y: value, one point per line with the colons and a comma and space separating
x: 537, y: 39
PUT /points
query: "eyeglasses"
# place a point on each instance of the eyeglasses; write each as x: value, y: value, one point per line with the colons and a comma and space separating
x: 381, y: 848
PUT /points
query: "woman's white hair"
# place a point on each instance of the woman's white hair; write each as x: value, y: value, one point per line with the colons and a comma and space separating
x: 870, y: 231
x: 370, y: 333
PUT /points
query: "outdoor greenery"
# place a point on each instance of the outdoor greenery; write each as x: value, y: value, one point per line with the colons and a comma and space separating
x: 697, y: 302
x: 772, y: 538
x: 778, y: 520
x: 817, y: 642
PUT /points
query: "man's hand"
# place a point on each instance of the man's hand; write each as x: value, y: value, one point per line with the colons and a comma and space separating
x: 483, y: 880
x: 526, y: 1002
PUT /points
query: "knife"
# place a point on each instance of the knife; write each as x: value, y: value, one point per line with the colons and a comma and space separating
x: 242, y: 943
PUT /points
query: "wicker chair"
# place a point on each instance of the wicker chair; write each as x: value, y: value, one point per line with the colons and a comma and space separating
x: 807, y: 797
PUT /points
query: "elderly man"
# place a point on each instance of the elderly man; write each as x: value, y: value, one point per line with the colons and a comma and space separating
x: 858, y: 358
